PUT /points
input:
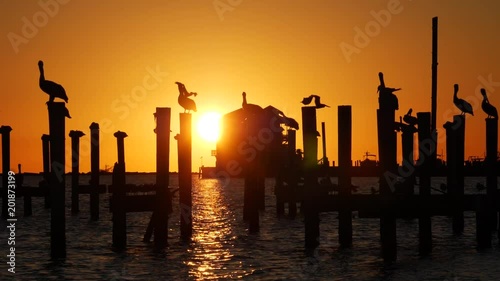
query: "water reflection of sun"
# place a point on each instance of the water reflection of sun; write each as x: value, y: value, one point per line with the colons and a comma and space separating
x: 212, y: 232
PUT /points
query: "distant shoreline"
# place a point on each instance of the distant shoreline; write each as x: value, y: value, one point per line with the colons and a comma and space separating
x: 103, y: 173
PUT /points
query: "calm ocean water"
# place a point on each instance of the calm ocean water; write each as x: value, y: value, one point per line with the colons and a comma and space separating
x: 222, y: 248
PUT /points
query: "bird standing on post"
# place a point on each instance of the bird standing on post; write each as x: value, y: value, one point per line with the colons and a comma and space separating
x: 387, y: 98
x: 410, y: 120
x: 317, y: 102
x: 463, y: 105
x: 250, y: 107
x: 487, y: 107
x: 183, y: 100
x: 307, y: 100
x: 53, y: 89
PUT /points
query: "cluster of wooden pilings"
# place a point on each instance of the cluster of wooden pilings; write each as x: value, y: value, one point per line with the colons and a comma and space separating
x: 397, y: 197
x: 125, y: 198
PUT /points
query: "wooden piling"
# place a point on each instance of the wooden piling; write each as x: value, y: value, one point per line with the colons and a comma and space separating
x: 292, y: 173
x: 483, y: 223
x: 94, y: 171
x: 75, y: 169
x: 345, y: 146
x: 118, y: 185
x: 163, y: 198
x: 310, y: 169
x: 408, y: 159
x: 491, y: 164
x: 456, y: 169
x: 46, y: 168
x: 387, y: 145
x: 57, y: 114
x: 185, y: 178
x: 426, y: 148
x: 323, y: 143
x: 5, y: 131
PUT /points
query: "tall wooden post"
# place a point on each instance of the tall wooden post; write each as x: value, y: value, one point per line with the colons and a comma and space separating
x: 387, y: 145
x: 434, y: 84
x: 185, y: 178
x: 408, y: 160
x: 426, y: 147
x: 119, y: 212
x: 94, y: 171
x: 345, y: 162
x: 57, y: 112
x: 163, y: 200
x: 310, y: 168
x: 5, y: 131
x: 323, y: 143
x: 491, y: 164
x: 46, y: 167
x: 292, y: 173
x: 75, y: 169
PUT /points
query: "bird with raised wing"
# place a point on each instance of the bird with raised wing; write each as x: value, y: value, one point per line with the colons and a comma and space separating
x: 51, y: 88
x: 183, y: 100
x: 487, y: 107
x: 410, y: 120
x: 463, y: 105
x: 317, y: 102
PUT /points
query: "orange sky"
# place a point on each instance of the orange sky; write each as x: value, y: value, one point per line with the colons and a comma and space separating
x: 102, y: 52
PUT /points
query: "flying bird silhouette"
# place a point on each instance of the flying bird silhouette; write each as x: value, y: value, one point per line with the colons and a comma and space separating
x: 250, y: 107
x: 317, y: 102
x: 410, y: 120
x: 463, y: 105
x: 487, y: 107
x: 183, y: 100
x: 53, y: 89
x: 307, y: 100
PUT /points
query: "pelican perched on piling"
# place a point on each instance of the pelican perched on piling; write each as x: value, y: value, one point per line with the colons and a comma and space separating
x: 250, y: 107
x: 51, y: 88
x: 410, y: 120
x: 463, y: 105
x: 387, y: 98
x: 317, y: 102
x: 307, y: 100
x: 187, y: 103
x: 487, y: 107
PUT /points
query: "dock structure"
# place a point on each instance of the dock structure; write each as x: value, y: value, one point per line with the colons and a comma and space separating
x: 75, y: 169
x: 118, y: 203
x: 185, y: 179
x: 5, y: 131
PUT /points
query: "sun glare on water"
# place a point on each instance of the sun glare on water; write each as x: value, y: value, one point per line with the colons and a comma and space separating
x: 208, y: 126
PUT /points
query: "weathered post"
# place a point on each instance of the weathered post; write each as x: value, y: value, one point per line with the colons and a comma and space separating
x: 491, y: 164
x: 325, y: 161
x: 408, y: 165
x: 185, y: 178
x: 483, y: 222
x: 75, y: 169
x: 119, y: 212
x: 292, y: 173
x: 345, y: 161
x: 46, y: 168
x: 456, y: 131
x: 310, y: 168
x: 57, y: 112
x: 5, y: 131
x: 163, y: 199
x: 426, y: 148
x: 94, y: 171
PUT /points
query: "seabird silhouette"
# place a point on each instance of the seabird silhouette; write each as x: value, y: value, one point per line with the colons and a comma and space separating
x: 307, y: 100
x: 487, y: 107
x: 317, y: 102
x: 387, y: 98
x: 463, y: 105
x: 250, y: 107
x: 66, y: 112
x: 410, y: 120
x: 53, y: 89
x: 183, y: 100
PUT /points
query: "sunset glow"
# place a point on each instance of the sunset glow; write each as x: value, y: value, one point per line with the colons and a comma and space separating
x: 208, y: 126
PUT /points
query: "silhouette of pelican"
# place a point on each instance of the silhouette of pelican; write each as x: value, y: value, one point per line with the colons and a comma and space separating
x: 66, y: 113
x: 410, y: 120
x: 387, y: 98
x: 307, y: 100
x: 250, y: 107
x: 187, y: 103
x: 317, y: 102
x: 53, y: 89
x: 463, y: 105
x: 487, y: 107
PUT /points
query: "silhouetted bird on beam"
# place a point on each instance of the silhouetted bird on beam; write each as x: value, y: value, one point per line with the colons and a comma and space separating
x: 250, y: 107
x: 307, y: 100
x: 53, y: 89
x: 463, y: 105
x: 487, y: 107
x: 410, y: 120
x: 317, y: 102
x: 187, y: 103
x: 387, y: 98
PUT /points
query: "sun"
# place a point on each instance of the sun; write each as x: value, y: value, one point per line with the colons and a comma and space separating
x: 208, y: 126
